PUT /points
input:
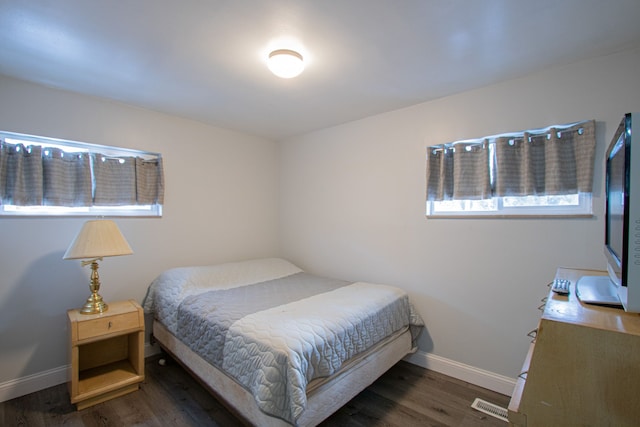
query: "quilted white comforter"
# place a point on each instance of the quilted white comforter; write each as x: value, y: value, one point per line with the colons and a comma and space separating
x: 275, y: 336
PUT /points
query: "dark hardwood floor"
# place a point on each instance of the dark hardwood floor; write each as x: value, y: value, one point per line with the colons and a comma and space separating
x: 405, y: 396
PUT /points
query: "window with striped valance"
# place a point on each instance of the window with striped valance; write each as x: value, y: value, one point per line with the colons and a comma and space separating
x: 554, y: 161
x: 40, y: 175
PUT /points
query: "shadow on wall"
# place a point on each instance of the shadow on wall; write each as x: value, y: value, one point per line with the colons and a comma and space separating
x: 424, y: 341
x: 33, y: 316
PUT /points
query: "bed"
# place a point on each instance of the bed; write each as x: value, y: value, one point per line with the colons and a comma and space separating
x: 277, y: 345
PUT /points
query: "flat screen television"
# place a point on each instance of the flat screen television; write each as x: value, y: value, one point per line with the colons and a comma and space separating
x: 622, y: 223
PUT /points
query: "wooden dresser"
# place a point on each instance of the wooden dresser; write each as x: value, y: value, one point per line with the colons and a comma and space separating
x: 583, y: 366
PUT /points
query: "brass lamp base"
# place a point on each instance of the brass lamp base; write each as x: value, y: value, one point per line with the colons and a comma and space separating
x: 94, y: 304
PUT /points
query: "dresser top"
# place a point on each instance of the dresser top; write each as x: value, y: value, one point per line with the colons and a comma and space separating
x: 569, y: 308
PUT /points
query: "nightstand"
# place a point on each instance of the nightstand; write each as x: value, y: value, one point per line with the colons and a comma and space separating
x: 107, y: 353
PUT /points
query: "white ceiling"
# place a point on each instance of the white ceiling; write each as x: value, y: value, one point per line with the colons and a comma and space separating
x: 205, y: 59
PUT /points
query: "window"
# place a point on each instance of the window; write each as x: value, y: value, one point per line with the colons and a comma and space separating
x: 42, y: 176
x: 544, y: 172
x: 568, y: 205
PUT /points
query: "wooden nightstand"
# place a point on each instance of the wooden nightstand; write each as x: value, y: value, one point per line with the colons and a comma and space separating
x: 107, y: 353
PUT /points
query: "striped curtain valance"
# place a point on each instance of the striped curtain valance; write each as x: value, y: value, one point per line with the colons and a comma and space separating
x: 115, y: 180
x: 149, y: 181
x: 128, y: 181
x: 66, y: 178
x: 39, y: 175
x: 21, y: 173
x: 556, y: 160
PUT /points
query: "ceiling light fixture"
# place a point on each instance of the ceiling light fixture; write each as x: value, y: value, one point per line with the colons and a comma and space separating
x: 285, y: 63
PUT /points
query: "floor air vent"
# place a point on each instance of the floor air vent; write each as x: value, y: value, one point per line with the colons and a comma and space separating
x: 490, y: 409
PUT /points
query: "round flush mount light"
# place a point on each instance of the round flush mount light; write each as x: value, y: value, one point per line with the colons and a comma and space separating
x: 285, y: 63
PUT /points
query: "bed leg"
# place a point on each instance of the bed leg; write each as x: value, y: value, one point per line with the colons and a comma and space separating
x: 165, y: 358
x: 162, y: 361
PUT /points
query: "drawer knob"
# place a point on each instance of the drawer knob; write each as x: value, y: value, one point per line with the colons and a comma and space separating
x: 109, y: 325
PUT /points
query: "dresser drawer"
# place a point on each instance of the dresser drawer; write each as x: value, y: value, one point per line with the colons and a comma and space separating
x: 107, y: 325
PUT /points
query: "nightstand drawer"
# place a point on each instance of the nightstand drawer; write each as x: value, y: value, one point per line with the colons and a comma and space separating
x: 107, y: 325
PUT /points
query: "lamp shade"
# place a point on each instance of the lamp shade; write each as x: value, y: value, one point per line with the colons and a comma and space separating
x: 97, y: 239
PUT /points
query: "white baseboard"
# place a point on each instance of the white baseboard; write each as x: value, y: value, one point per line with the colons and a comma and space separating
x: 489, y: 380
x: 32, y: 383
x: 499, y: 383
x: 36, y: 382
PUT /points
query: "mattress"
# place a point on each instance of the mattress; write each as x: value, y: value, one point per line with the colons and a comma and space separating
x: 275, y: 329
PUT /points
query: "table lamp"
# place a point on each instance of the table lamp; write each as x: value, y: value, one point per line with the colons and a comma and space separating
x: 97, y: 239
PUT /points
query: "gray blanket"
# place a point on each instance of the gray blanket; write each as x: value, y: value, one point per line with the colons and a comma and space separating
x: 275, y: 337
x: 204, y: 319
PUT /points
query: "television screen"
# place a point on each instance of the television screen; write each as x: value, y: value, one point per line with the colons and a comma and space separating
x: 615, y: 200
x: 622, y: 237
x: 622, y: 225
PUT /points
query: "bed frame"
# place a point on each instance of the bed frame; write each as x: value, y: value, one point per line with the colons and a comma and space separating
x: 324, y: 396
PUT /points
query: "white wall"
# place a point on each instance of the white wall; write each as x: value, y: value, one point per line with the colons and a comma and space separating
x: 220, y: 205
x: 352, y: 206
x: 349, y: 202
